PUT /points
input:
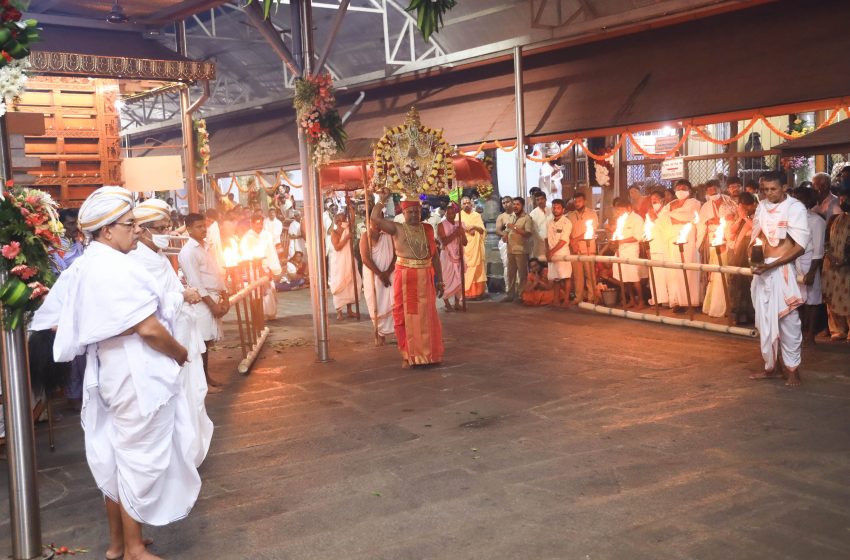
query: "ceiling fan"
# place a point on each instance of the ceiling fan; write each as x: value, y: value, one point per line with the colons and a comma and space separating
x: 117, y: 15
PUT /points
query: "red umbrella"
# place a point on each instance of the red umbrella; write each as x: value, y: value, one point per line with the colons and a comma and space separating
x: 469, y: 171
x: 343, y: 177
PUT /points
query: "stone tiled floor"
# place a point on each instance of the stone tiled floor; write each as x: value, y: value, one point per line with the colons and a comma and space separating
x: 543, y: 435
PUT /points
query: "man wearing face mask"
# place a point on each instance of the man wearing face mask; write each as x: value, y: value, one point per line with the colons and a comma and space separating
x: 179, y: 310
x: 836, y: 268
x: 718, y: 206
x: 684, y: 210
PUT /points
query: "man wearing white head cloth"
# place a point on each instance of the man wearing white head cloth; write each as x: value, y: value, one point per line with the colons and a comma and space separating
x: 781, y: 227
x: 181, y: 308
x: 112, y: 310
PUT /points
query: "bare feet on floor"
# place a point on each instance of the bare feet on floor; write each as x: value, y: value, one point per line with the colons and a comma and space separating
x: 380, y: 340
x: 117, y: 552
x: 793, y: 378
x: 766, y: 374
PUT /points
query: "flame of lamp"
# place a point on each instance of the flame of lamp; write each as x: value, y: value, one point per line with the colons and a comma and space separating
x: 588, y: 230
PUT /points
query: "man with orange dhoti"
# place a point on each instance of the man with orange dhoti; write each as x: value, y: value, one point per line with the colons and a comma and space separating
x: 474, y: 276
x: 781, y: 228
x: 417, y: 325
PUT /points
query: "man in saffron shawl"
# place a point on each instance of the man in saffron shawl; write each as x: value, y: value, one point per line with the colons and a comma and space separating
x: 475, y: 277
x: 417, y: 283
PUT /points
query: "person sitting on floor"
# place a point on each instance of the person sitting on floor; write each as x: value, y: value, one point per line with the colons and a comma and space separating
x: 538, y: 288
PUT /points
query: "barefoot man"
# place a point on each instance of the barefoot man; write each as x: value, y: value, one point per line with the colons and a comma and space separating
x: 781, y: 227
x: 378, y: 266
x: 453, y: 239
x: 134, y: 405
x: 417, y: 325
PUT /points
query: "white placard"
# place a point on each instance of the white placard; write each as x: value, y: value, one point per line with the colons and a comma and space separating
x: 153, y: 173
x: 673, y: 168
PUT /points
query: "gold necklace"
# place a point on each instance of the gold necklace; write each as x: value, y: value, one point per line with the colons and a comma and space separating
x: 420, y: 242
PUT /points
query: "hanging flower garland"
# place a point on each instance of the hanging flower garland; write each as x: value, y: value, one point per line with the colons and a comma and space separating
x: 485, y: 191
x: 603, y: 170
x: 202, y: 146
x: 15, y: 38
x: 413, y: 159
x: 30, y: 229
x: 315, y: 107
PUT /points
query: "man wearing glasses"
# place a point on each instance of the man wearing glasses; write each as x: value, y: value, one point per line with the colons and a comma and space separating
x: 198, y: 263
x: 111, y: 309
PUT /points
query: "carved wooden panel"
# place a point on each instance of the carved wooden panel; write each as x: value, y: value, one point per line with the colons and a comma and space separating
x: 81, y: 147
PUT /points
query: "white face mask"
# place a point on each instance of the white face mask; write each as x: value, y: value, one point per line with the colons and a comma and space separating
x: 713, y: 197
x: 160, y: 240
x: 682, y: 195
x: 656, y: 206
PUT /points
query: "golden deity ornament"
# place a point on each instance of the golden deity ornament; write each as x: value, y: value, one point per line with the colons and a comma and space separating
x: 413, y: 159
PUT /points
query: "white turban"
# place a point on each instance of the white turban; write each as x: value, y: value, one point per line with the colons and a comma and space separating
x: 152, y: 210
x: 103, y: 207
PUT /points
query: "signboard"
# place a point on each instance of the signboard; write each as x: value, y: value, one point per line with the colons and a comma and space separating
x: 664, y: 144
x: 153, y: 173
x: 673, y: 168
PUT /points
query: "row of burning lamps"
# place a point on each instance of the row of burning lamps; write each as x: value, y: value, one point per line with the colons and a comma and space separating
x: 718, y: 241
x: 243, y: 261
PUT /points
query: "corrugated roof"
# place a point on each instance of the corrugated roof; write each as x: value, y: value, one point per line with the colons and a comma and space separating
x: 832, y: 139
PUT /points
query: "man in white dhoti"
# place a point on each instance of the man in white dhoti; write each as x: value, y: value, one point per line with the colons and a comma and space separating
x: 273, y: 226
x: 658, y: 230
x: 502, y: 221
x: 718, y: 211
x: 810, y: 263
x: 681, y: 215
x: 378, y: 267
x: 296, y: 235
x: 541, y: 215
x: 781, y: 227
x: 201, y: 271
x: 154, y: 217
x: 258, y: 242
x: 626, y: 238
x: 214, y: 235
x: 137, y: 446
x: 343, y: 278
x: 558, y: 247
x: 452, y: 238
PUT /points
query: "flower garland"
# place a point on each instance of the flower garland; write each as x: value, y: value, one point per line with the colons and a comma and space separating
x: 795, y: 163
x: 15, y: 38
x: 413, y: 159
x: 799, y: 128
x: 485, y: 191
x: 202, y: 146
x: 603, y: 171
x: 30, y: 229
x: 315, y: 107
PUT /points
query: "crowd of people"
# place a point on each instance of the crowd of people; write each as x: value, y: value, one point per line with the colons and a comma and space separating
x: 124, y: 317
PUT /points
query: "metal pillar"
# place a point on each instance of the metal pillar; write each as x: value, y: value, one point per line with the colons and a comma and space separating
x: 188, y: 132
x: 17, y: 411
x: 521, y: 180
x: 302, y: 39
